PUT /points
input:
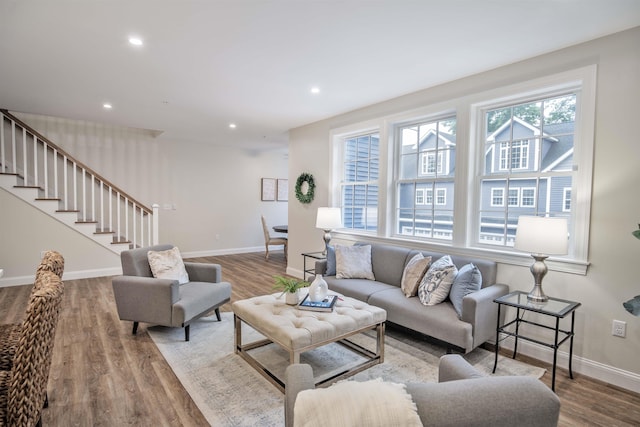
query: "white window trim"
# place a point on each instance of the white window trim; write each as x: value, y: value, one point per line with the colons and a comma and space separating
x: 516, y: 197
x: 420, y: 191
x: 436, y: 196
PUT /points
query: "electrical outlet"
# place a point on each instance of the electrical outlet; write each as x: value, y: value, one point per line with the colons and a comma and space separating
x: 619, y: 328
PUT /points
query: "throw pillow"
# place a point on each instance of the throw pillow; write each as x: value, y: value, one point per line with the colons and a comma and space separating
x: 468, y: 280
x: 354, y: 262
x: 168, y: 265
x: 413, y: 273
x: 331, y: 261
x: 436, y: 283
x: 373, y: 403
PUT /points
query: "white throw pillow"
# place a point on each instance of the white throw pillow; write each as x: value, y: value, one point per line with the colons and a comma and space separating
x: 372, y: 403
x: 413, y: 273
x: 168, y: 265
x: 436, y: 283
x: 354, y: 262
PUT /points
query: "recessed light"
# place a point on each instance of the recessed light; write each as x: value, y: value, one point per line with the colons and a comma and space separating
x: 107, y: 106
x: 315, y: 90
x: 136, y: 41
x: 232, y: 125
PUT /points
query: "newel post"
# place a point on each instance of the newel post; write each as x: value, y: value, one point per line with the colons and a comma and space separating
x: 156, y: 227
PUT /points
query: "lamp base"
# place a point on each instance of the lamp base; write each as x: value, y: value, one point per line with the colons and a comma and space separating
x: 537, y: 294
x: 327, y: 239
x: 539, y: 270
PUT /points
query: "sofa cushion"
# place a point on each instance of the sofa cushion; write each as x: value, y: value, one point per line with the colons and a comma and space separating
x: 439, y: 321
x: 373, y: 403
x: 413, y: 274
x: 354, y: 262
x: 436, y: 283
x: 468, y: 280
x: 360, y: 289
x: 388, y: 262
x: 168, y: 265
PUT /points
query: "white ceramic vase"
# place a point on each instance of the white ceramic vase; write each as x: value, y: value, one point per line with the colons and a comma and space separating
x: 318, y: 289
x: 291, y: 298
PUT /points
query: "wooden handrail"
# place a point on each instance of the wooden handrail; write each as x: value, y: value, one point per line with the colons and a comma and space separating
x: 82, y: 165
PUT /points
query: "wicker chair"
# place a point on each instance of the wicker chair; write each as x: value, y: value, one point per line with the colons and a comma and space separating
x: 10, y: 333
x: 23, y: 388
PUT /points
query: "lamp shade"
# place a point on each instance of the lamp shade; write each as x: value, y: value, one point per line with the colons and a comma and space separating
x: 542, y: 235
x: 328, y: 218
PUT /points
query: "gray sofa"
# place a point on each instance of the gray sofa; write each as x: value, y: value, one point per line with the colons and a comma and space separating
x: 462, y: 397
x: 479, y: 313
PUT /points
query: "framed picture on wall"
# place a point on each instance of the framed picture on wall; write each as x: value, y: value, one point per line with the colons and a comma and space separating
x: 268, y: 189
x: 283, y: 190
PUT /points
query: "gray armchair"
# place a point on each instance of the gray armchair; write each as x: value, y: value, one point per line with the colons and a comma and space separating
x: 462, y: 397
x: 142, y: 298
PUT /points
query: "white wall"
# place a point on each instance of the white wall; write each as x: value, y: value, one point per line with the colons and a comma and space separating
x: 614, y: 273
x: 215, y: 190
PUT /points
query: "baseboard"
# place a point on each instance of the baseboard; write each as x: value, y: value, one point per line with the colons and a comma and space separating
x: 596, y: 370
x: 68, y: 275
x: 218, y: 252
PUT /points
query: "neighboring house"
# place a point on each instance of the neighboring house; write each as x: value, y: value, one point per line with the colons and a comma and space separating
x: 525, y: 174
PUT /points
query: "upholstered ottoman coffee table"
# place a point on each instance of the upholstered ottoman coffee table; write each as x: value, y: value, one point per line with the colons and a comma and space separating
x: 297, y: 331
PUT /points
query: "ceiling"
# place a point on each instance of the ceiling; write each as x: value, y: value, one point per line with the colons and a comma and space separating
x: 206, y: 64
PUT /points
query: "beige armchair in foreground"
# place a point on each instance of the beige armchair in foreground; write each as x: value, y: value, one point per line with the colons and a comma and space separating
x: 140, y: 297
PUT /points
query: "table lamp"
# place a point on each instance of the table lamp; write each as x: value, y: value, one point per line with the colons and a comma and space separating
x: 541, y: 236
x: 328, y: 219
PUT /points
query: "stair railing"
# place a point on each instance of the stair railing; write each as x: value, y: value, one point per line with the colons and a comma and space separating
x: 42, y: 164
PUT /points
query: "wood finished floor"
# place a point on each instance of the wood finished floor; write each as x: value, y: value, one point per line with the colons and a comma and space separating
x: 101, y: 375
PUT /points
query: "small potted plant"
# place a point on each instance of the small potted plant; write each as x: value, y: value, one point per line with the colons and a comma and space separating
x: 289, y: 286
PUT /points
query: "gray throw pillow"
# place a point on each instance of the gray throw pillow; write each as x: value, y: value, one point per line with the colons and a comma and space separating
x: 468, y: 280
x: 354, y: 262
x: 331, y: 261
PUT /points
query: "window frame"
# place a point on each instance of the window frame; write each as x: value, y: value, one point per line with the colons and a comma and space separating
x: 466, y: 109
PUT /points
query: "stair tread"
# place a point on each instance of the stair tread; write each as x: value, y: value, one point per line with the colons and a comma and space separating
x: 48, y: 198
x: 69, y: 210
x: 28, y: 186
x: 86, y: 222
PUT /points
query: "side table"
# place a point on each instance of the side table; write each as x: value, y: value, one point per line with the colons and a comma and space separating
x: 313, y: 256
x: 554, y: 307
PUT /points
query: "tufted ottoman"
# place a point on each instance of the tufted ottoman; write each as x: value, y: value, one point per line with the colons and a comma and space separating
x: 298, y: 331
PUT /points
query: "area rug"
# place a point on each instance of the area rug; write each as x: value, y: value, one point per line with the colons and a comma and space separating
x: 230, y: 393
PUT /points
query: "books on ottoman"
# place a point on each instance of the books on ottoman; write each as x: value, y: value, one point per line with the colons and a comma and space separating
x: 324, y: 305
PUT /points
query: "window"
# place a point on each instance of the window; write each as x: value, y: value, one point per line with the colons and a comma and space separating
x: 424, y: 164
x: 566, y: 206
x: 519, y: 155
x: 528, y: 197
x: 534, y: 142
x: 497, y: 197
x: 359, y: 187
x: 429, y: 164
x: 525, y: 149
x: 514, y: 196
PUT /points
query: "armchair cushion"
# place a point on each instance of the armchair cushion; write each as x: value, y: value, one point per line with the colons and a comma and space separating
x: 168, y: 264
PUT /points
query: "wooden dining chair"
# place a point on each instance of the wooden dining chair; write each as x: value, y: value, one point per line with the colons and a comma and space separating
x: 272, y: 241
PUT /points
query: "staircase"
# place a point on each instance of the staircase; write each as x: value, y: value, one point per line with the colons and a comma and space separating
x: 42, y: 174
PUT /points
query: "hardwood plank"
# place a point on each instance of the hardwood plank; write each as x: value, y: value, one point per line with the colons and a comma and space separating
x: 101, y: 375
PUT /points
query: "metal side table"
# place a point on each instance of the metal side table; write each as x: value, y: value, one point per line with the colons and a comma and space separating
x: 555, y: 307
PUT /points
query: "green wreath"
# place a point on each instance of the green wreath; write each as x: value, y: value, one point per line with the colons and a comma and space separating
x: 308, y: 197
